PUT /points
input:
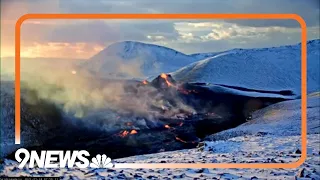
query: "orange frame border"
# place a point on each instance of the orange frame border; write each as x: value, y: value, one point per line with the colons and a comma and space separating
x: 296, y: 17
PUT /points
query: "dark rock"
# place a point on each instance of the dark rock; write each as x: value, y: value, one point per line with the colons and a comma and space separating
x: 202, y: 170
x: 152, y: 177
x: 308, y: 176
x: 298, y: 151
x: 14, y: 169
x: 301, y: 173
x: 273, y: 160
x: 137, y: 176
x: 179, y: 176
x: 214, y: 161
x: 121, y: 176
x: 41, y: 172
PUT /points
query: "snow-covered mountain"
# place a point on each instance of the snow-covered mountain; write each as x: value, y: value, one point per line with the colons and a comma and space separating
x: 202, y: 56
x: 136, y: 59
x: 275, y: 68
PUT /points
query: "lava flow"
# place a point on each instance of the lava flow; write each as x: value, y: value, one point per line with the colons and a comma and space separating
x: 184, y: 91
x: 165, y: 77
x: 124, y: 133
x: 133, y: 132
x: 180, y: 89
x: 179, y: 139
x: 145, y: 82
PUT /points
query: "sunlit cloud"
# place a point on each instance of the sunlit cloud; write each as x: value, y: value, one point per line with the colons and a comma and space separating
x: 66, y: 50
x: 156, y: 38
x: 205, y: 25
x: 188, y: 36
x: 208, y: 31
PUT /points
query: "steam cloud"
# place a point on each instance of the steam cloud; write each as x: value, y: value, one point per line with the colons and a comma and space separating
x: 78, y: 92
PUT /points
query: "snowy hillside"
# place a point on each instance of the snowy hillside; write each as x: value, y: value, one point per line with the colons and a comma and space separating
x: 202, y: 56
x: 273, y: 68
x: 257, y: 141
x: 136, y: 59
x: 280, y: 119
x: 37, y: 120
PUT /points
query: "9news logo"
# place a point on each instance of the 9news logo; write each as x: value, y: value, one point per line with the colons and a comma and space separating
x: 49, y: 159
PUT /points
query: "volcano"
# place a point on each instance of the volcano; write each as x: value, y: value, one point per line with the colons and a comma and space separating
x: 163, y: 81
x: 161, y: 115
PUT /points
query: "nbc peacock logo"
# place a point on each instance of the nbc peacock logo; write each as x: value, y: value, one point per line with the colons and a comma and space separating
x: 61, y: 159
x: 101, y: 161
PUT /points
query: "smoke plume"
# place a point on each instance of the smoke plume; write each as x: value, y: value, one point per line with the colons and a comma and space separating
x: 79, y: 92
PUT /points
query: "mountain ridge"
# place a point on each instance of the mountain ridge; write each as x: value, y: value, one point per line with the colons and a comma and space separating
x: 274, y: 68
x: 136, y: 59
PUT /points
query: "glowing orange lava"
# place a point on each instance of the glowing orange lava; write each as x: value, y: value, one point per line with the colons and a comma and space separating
x: 133, y: 132
x: 181, y: 140
x: 165, y: 77
x: 124, y: 133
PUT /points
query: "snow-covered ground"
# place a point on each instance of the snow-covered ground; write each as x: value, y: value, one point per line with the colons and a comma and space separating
x: 272, y: 136
x: 281, y: 119
x: 275, y: 68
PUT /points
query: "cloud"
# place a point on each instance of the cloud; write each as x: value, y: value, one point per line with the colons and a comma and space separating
x: 179, y: 34
x: 156, y: 38
x: 104, y: 32
x: 66, y: 50
x: 223, y: 31
x: 242, y: 38
x: 13, y: 9
x: 309, y: 11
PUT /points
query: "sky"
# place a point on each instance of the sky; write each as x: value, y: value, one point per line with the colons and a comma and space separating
x: 84, y: 38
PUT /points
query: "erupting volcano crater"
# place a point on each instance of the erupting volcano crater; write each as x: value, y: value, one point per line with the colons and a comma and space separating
x: 161, y: 115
